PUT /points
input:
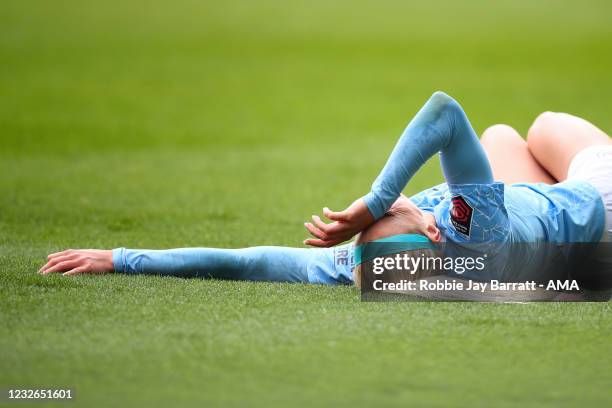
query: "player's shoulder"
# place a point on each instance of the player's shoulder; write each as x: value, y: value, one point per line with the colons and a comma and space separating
x: 429, y: 198
x: 484, y: 193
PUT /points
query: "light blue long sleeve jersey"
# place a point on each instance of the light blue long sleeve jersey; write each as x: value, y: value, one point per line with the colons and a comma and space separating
x: 265, y: 263
x: 470, y: 207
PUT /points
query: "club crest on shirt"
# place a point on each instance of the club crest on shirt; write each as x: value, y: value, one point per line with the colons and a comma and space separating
x: 461, y: 215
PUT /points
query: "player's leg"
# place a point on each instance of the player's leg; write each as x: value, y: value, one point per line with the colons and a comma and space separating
x: 571, y: 147
x: 555, y: 138
x: 510, y: 158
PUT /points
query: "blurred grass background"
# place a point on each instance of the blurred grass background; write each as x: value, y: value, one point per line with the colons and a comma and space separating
x: 163, y: 124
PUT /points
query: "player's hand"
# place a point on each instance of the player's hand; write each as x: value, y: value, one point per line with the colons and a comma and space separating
x: 76, y: 261
x: 346, y: 224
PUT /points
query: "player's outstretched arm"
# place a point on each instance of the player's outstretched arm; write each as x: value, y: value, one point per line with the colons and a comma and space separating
x: 440, y: 126
x: 264, y: 263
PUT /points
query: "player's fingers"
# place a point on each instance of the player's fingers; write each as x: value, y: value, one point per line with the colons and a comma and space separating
x: 61, y: 253
x: 55, y: 261
x: 335, y: 216
x: 337, y: 228
x: 320, y: 224
x: 332, y: 230
x: 76, y: 271
x: 62, y: 266
x: 319, y: 243
x: 315, y: 232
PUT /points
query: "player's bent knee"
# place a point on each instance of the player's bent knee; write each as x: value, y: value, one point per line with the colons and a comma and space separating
x: 542, y: 126
x: 500, y: 134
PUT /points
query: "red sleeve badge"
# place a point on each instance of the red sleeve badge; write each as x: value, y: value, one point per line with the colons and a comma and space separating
x: 461, y: 215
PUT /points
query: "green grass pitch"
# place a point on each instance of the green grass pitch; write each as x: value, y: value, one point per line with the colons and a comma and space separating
x: 197, y: 123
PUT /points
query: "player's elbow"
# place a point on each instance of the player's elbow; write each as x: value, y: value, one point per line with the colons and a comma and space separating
x: 441, y: 101
x: 441, y: 98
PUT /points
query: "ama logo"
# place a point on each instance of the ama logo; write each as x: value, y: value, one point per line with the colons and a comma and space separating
x: 562, y: 285
x: 461, y: 215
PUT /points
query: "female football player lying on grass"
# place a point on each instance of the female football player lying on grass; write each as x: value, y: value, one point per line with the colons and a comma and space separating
x: 564, y: 194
